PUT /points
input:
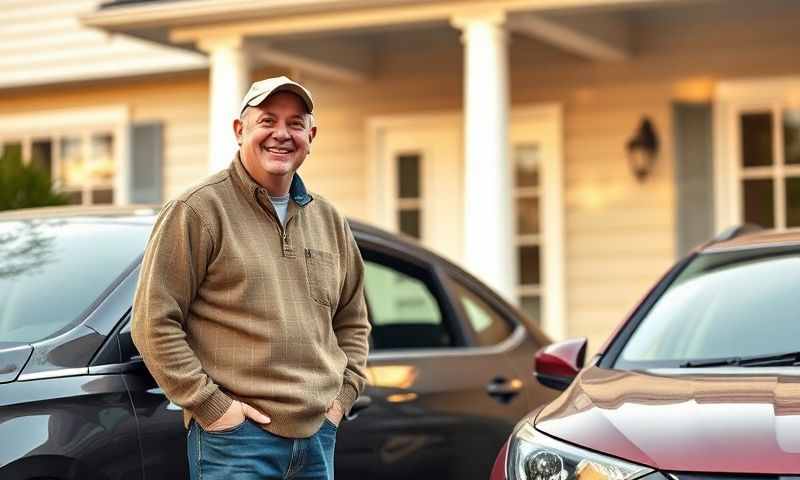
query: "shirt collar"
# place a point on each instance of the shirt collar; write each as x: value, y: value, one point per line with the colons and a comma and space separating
x: 297, y: 190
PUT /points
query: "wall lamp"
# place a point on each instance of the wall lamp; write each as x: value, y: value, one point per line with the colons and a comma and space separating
x: 642, y: 150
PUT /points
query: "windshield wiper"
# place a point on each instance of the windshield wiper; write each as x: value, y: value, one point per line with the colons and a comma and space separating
x: 772, y: 360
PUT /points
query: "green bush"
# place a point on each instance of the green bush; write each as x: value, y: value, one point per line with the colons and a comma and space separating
x: 25, y: 186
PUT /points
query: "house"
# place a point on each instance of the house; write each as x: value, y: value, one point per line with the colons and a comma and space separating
x: 565, y: 151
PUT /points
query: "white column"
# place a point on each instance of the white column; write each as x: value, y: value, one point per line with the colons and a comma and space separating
x: 229, y: 80
x: 489, y: 247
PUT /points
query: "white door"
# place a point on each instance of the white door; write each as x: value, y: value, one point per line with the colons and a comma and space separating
x: 420, y: 179
x: 418, y: 190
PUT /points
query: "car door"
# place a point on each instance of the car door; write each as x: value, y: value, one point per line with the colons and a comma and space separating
x: 163, y: 437
x: 439, y: 408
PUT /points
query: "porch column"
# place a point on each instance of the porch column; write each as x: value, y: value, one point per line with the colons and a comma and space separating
x: 489, y: 249
x: 229, y: 80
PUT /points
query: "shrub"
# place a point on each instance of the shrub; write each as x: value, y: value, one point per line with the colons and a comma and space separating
x: 25, y: 186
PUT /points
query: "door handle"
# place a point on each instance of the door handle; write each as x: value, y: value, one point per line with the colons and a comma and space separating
x: 504, y: 390
x: 361, y: 403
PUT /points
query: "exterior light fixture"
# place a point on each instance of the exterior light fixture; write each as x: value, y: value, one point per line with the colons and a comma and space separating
x: 642, y: 150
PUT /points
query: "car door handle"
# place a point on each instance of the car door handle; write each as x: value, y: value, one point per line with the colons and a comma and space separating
x: 361, y: 403
x: 504, y: 390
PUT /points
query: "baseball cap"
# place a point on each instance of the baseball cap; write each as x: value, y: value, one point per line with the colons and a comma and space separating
x: 259, y: 91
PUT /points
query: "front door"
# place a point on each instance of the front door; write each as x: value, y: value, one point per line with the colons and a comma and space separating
x: 418, y: 190
x: 419, y: 179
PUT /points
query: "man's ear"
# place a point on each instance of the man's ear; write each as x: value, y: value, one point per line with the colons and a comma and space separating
x: 312, y: 133
x: 237, y: 130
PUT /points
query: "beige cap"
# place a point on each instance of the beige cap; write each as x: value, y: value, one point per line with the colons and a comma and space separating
x: 259, y: 91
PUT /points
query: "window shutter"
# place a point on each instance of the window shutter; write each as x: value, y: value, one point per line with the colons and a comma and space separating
x: 694, y: 175
x: 147, y: 151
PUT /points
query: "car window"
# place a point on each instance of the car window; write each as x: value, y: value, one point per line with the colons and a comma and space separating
x: 404, y: 310
x: 723, y: 304
x: 53, y: 270
x: 488, y: 326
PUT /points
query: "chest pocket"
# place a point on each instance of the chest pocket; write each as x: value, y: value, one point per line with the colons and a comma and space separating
x: 323, y: 279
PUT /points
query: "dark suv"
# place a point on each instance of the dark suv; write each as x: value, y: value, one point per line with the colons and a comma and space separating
x: 450, y: 369
x: 700, y: 383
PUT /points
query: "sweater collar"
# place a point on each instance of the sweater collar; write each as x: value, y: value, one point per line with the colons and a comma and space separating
x: 297, y: 190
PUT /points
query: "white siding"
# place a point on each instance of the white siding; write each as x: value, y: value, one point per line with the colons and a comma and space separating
x: 43, y: 42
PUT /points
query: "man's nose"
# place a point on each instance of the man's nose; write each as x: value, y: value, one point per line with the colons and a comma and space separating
x: 281, y: 132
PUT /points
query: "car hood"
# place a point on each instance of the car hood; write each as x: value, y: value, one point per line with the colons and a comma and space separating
x: 722, y: 420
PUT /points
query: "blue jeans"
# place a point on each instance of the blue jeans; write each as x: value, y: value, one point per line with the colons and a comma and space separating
x: 248, y: 452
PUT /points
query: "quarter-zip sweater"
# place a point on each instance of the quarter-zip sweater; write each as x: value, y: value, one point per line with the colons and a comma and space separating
x: 231, y: 304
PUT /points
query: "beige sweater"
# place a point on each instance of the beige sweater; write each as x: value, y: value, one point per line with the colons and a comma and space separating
x: 230, y: 305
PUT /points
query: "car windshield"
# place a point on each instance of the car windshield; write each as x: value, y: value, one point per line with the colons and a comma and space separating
x: 53, y: 270
x: 722, y: 305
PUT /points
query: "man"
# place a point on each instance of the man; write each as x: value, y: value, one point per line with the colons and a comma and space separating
x: 250, y: 311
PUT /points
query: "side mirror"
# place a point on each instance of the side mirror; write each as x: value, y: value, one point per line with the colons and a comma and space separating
x: 556, y: 365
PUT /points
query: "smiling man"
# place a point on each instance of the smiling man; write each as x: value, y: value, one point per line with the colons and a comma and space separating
x: 250, y: 310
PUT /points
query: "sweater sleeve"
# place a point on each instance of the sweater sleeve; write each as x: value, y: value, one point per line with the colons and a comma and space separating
x: 351, y: 325
x: 173, y: 267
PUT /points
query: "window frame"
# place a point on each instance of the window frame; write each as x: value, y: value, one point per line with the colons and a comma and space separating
x: 390, y: 258
x: 454, y: 280
x: 84, y: 123
x: 733, y: 99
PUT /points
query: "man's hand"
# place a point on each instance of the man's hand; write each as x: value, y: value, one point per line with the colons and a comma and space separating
x: 335, y: 413
x: 235, y: 415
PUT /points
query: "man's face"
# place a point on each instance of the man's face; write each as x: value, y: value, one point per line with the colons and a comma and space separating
x: 275, y: 136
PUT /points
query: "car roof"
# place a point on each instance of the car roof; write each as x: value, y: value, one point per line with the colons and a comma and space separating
x: 146, y: 213
x: 752, y: 238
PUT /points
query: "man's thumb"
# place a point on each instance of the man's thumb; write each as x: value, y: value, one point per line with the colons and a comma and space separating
x: 254, y: 414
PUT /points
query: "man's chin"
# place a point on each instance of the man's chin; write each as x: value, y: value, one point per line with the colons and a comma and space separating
x: 278, y: 167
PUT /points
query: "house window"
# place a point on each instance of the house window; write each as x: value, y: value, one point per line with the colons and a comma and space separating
x: 769, y: 166
x: 82, y: 165
x: 409, y: 195
x: 527, y: 195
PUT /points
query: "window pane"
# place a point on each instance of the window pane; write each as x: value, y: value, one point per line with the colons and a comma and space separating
x: 42, y: 155
x: 529, y: 265
x: 101, y: 163
x: 73, y: 169
x: 408, y: 176
x: 727, y: 304
x: 756, y: 139
x: 793, y: 202
x: 791, y: 136
x: 409, y: 222
x: 758, y: 202
x: 527, y: 216
x: 526, y: 162
x: 103, y: 196
x: 489, y: 326
x: 404, y: 312
x: 531, y: 306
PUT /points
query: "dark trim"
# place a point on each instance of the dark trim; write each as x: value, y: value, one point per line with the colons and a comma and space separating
x: 392, y: 258
x: 556, y: 382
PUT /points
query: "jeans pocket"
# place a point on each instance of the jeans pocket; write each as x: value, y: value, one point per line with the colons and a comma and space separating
x: 226, y: 431
x: 330, y: 424
x: 321, y: 268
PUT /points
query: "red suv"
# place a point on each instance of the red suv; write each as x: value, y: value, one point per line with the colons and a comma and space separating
x: 701, y: 382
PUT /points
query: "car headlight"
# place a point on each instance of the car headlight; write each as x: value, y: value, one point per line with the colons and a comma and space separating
x: 535, y: 456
